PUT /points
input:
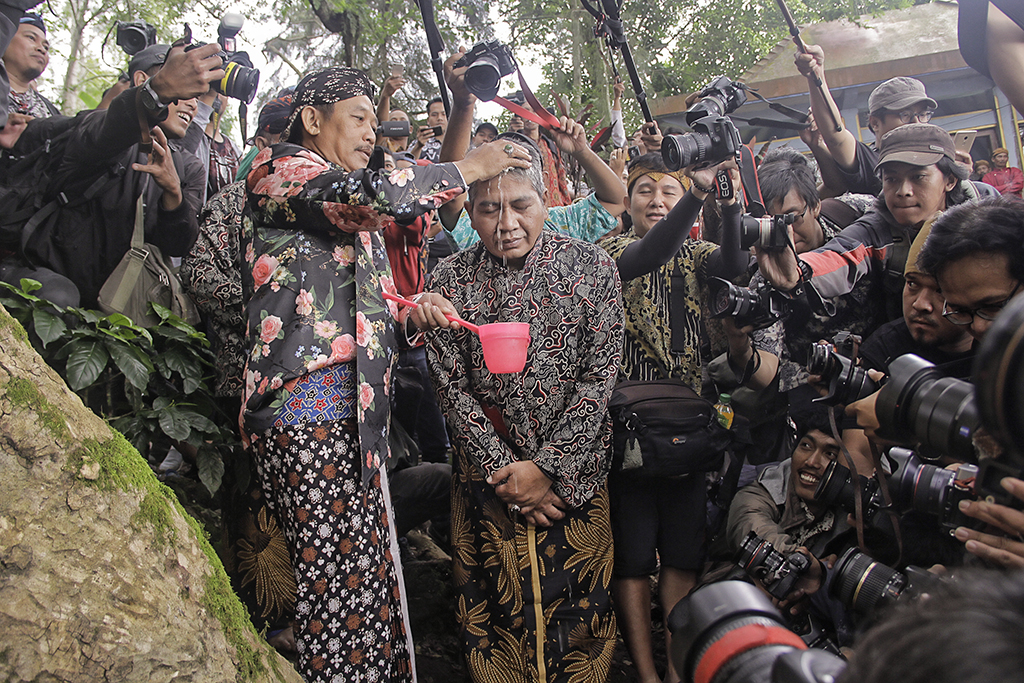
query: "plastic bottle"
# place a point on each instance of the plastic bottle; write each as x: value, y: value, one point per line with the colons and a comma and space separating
x: 725, y: 411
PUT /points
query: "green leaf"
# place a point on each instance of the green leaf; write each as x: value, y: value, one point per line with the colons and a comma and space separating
x: 211, y: 468
x: 48, y: 327
x: 85, y: 363
x: 173, y: 425
x: 161, y: 311
x: 129, y: 360
x: 28, y: 285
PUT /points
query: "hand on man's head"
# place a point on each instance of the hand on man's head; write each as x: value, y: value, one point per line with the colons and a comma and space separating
x: 188, y: 74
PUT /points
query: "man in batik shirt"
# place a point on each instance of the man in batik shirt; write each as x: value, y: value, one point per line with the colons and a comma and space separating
x: 531, y: 537
x: 320, y: 345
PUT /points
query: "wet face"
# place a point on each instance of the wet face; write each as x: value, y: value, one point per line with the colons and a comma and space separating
x: 914, y: 193
x: 28, y: 54
x: 346, y: 135
x: 508, y: 214
x: 979, y: 281
x: 1001, y: 160
x: 437, y: 117
x: 922, y: 311
x: 807, y: 233
x: 651, y: 200
x: 810, y: 458
x: 179, y: 116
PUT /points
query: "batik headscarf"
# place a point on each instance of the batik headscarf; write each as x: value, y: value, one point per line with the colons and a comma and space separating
x: 328, y: 86
x: 638, y: 171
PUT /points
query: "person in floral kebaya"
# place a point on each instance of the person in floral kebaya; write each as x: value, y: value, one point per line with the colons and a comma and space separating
x: 320, y: 344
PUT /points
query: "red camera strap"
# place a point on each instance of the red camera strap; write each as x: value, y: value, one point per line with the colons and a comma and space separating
x: 539, y: 115
x: 740, y: 640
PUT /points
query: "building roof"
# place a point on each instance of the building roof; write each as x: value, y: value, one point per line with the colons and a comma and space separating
x: 915, y: 40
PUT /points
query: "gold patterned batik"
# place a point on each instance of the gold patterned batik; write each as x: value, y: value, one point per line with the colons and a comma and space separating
x: 525, y: 589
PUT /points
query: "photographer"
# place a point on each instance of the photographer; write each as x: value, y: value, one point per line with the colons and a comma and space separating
x: 663, y: 517
x: 920, y: 179
x: 104, y: 157
x: 428, y: 141
x: 976, y: 252
x: 770, y: 361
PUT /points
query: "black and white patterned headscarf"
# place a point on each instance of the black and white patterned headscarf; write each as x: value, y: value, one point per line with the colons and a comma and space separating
x: 328, y: 86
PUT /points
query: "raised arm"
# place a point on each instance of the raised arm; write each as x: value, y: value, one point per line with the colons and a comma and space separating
x: 460, y: 130
x: 841, y: 144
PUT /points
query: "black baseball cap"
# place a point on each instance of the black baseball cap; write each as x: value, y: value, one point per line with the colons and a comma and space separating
x: 147, y: 58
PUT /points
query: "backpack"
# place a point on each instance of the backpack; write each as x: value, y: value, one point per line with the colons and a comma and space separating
x: 28, y: 203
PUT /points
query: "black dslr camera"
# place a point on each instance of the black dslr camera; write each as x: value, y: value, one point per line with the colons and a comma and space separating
x: 489, y: 61
x: 135, y: 36
x: 758, y: 306
x: 846, y: 382
x: 729, y: 632
x: 714, y: 138
x: 766, y: 232
x: 778, y: 573
x: 862, y: 584
x: 241, y: 78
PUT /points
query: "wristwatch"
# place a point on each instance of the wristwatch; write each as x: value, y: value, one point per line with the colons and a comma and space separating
x: 151, y: 101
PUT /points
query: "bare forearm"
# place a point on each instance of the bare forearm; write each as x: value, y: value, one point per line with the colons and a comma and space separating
x: 607, y: 184
x: 842, y: 144
x: 460, y: 131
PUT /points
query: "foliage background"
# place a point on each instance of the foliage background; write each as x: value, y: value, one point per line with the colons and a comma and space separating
x: 677, y: 45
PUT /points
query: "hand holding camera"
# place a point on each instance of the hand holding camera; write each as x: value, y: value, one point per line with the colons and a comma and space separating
x: 188, y: 73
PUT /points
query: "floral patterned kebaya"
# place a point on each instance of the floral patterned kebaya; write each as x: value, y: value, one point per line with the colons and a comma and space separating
x: 315, y: 266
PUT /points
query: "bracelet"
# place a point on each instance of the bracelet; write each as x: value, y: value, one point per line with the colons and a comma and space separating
x: 697, y: 187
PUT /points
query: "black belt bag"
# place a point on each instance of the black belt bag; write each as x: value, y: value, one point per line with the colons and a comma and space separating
x: 663, y: 428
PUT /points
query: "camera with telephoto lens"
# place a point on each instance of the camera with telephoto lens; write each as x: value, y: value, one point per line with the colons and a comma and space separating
x: 758, y: 306
x: 393, y: 129
x: 714, y: 138
x: 766, y: 232
x: 135, y: 36
x: 999, y: 386
x: 240, y: 78
x: 913, y: 485
x: 729, y: 632
x: 489, y: 61
x: 777, y: 572
x: 862, y: 584
x: 931, y: 490
x: 919, y: 404
x: 846, y: 382
x: 837, y: 488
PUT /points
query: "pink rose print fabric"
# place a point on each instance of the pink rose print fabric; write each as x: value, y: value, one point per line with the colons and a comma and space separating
x: 315, y: 268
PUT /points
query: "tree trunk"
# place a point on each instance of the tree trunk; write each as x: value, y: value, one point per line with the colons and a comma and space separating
x: 103, y: 577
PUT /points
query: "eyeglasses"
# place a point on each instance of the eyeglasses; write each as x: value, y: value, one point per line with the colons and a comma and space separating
x: 908, y: 115
x: 797, y: 217
x: 965, y: 316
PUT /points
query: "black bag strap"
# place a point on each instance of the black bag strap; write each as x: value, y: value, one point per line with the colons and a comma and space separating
x: 61, y: 201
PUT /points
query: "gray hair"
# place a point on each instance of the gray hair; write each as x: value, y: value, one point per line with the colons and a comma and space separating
x: 534, y: 174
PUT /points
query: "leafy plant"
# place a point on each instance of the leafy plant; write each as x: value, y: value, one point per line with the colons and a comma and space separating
x: 151, y: 384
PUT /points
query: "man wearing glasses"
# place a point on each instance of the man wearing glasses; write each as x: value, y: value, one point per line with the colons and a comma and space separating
x: 848, y: 165
x: 920, y: 179
x: 977, y: 254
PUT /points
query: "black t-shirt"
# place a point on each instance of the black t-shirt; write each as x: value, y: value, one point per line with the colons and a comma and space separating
x: 893, y: 339
x: 862, y: 179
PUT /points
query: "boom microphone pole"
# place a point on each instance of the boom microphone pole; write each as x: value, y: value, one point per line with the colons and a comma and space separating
x: 609, y: 27
x: 435, y: 44
x: 794, y: 31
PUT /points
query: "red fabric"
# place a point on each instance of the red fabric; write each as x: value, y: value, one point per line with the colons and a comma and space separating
x: 554, y: 171
x: 1007, y: 180
x: 404, y: 244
